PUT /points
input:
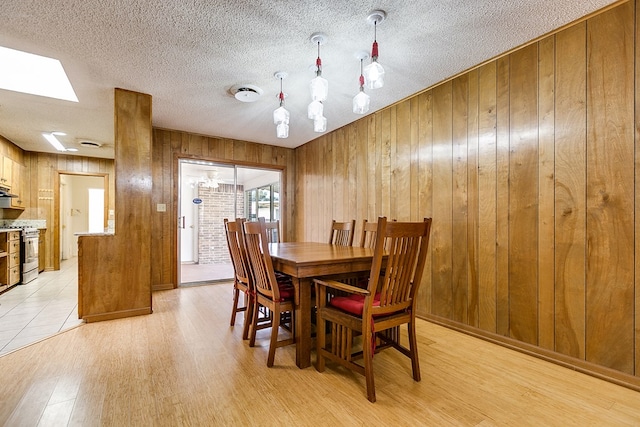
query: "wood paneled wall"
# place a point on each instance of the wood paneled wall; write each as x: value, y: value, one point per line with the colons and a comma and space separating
x: 170, y: 146
x: 528, y: 166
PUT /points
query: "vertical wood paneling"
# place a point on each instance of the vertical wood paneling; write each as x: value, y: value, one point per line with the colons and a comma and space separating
x: 502, y: 194
x: 637, y: 195
x: 546, y: 110
x: 402, y: 161
x: 442, y: 236
x: 610, y: 178
x: 523, y: 196
x: 570, y: 136
x: 472, y: 199
x: 460, y: 262
x: 414, y: 160
x: 425, y: 185
x: 487, y: 238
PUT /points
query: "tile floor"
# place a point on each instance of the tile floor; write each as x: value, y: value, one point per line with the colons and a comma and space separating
x: 41, y: 308
x: 49, y: 304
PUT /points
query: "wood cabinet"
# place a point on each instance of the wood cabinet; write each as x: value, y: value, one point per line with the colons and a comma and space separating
x: 6, y: 176
x: 16, y: 186
x: 9, y: 259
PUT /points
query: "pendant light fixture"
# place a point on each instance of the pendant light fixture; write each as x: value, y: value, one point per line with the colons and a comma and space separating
x: 374, y: 72
x: 319, y: 89
x: 361, y: 100
x: 281, y: 115
x: 319, y: 85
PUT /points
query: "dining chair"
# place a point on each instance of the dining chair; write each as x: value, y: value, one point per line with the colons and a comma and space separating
x: 241, y: 275
x: 273, y: 231
x: 377, y: 311
x: 368, y: 236
x: 342, y: 233
x: 276, y: 296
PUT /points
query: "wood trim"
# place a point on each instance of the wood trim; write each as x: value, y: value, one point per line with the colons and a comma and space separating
x: 117, y: 315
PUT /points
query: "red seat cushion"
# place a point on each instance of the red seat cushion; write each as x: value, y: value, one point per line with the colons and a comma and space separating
x: 286, y: 290
x: 353, y: 304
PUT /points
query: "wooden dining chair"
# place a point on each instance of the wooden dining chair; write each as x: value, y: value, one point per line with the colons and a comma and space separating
x: 241, y: 275
x: 270, y: 293
x: 377, y: 311
x: 368, y: 236
x: 342, y: 233
x: 273, y: 231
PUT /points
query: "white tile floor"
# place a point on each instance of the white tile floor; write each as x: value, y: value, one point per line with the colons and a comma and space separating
x: 41, y: 308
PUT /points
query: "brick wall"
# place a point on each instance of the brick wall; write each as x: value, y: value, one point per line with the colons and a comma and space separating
x: 217, y: 204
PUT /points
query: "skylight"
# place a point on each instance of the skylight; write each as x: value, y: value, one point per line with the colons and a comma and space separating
x: 34, y: 74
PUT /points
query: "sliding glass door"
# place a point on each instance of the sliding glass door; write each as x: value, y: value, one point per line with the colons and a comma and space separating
x: 209, y: 193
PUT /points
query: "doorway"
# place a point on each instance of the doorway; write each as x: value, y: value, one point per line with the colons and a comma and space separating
x: 83, y: 206
x: 208, y: 193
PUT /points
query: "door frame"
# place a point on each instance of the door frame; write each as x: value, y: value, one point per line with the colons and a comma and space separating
x: 175, y: 250
x: 56, y: 208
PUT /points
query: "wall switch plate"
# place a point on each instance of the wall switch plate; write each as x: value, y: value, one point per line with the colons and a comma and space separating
x: 161, y: 207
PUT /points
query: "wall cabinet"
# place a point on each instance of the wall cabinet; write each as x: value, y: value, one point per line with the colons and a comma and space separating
x: 16, y: 186
x: 6, y: 176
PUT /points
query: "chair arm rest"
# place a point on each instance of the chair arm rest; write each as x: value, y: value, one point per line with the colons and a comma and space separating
x: 341, y: 286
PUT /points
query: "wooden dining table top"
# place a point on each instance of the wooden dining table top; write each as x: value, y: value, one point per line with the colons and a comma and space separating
x: 312, y: 259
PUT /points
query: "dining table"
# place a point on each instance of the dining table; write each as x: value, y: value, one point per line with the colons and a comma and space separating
x: 304, y: 261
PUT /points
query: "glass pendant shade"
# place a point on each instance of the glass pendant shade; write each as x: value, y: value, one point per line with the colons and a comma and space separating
x: 282, y: 130
x: 361, y: 103
x: 374, y: 74
x: 315, y: 109
x: 319, y: 89
x: 281, y: 115
x: 320, y: 124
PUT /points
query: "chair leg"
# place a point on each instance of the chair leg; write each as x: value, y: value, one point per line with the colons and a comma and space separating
x: 275, y: 326
x: 234, y: 311
x: 413, y: 348
x: 248, y: 317
x: 254, y: 323
x: 321, y: 339
x: 368, y: 364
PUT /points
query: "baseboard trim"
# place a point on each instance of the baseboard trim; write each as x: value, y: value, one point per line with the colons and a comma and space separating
x: 117, y: 314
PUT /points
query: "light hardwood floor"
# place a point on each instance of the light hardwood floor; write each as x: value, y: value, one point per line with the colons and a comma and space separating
x: 184, y: 365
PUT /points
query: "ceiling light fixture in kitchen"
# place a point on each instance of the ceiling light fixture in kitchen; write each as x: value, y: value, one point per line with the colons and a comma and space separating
x: 51, y: 137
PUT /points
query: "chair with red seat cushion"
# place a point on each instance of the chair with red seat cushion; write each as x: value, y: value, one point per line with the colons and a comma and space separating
x: 376, y: 312
x: 276, y: 296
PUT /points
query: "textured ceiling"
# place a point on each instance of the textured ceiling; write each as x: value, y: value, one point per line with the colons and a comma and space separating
x: 188, y: 53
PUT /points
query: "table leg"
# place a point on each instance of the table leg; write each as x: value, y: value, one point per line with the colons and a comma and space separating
x: 303, y: 322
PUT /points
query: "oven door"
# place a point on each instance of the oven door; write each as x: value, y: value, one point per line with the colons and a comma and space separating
x: 30, y: 253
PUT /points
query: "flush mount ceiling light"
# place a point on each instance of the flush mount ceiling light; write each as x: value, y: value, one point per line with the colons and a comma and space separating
x: 281, y: 115
x: 51, y: 137
x: 361, y: 100
x: 374, y: 72
x: 245, y: 92
x: 34, y: 74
